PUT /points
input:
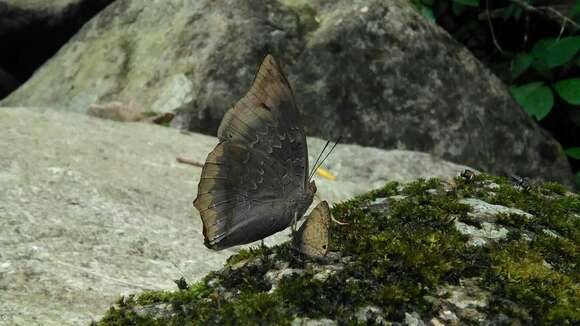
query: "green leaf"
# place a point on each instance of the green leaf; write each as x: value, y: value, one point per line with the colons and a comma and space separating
x: 540, y: 49
x: 569, y: 90
x: 577, y: 179
x: 576, y: 10
x: 573, y: 152
x: 520, y: 64
x: 562, y: 51
x: 470, y: 3
x: 541, y: 67
x: 540, y: 54
x: 535, y: 98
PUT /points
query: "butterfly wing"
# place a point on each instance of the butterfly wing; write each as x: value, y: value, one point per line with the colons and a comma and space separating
x: 267, y: 119
x: 313, y: 236
x: 254, y: 181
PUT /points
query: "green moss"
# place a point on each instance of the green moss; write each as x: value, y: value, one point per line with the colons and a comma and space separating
x: 121, y: 315
x: 419, y: 187
x: 555, y: 187
x: 513, y: 220
x: 263, y: 306
x: 551, y: 209
x: 563, y: 254
x: 194, y: 292
x: 417, y: 240
x: 519, y: 273
x: 246, y: 254
x: 307, y: 15
x: 397, y: 260
x: 390, y: 189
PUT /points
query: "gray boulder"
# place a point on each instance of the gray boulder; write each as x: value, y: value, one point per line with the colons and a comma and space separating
x: 405, y: 263
x: 16, y: 14
x: 31, y: 31
x: 91, y: 209
x: 7, y: 83
x: 373, y: 71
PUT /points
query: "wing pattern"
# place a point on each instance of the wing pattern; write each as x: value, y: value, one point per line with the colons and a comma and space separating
x: 313, y: 236
x: 254, y: 181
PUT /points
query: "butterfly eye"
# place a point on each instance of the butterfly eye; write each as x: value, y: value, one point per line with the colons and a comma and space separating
x: 324, y: 247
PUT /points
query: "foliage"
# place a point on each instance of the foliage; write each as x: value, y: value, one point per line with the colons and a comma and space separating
x: 536, y: 98
x: 536, y: 54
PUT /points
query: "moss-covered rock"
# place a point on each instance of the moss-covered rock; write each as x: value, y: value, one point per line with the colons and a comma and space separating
x: 405, y: 257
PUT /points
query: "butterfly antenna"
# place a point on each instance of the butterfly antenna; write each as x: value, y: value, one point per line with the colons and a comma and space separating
x: 317, y: 159
x: 327, y: 155
x: 181, y: 272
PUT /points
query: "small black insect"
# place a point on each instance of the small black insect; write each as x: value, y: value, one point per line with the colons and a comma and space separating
x: 468, y: 175
x: 521, y: 182
x: 181, y: 284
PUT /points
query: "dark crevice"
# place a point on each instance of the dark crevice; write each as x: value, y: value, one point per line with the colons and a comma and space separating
x: 29, y: 38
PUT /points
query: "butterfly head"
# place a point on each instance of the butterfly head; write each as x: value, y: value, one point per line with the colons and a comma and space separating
x: 306, y: 200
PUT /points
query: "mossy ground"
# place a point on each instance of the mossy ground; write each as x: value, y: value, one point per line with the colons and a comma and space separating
x: 398, y: 258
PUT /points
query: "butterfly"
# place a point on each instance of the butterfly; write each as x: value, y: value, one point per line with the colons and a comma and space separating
x: 313, y: 236
x: 255, y: 182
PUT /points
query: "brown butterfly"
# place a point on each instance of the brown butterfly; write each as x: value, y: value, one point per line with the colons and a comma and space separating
x: 313, y: 236
x: 255, y: 182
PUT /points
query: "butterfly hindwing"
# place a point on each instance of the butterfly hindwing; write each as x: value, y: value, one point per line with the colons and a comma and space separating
x: 313, y: 236
x: 235, y: 199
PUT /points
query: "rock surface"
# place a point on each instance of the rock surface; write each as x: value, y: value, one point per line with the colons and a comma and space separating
x: 15, y: 14
x: 373, y: 71
x: 7, y: 83
x: 91, y: 209
x: 32, y: 31
x: 407, y: 264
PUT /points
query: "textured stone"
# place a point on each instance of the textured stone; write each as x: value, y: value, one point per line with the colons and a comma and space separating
x: 373, y: 71
x: 479, y: 236
x: 487, y: 212
x: 91, y: 209
x: 15, y: 14
x: 371, y: 315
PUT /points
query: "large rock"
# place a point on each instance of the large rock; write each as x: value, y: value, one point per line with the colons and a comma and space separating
x: 430, y: 253
x: 7, y: 83
x: 15, y: 14
x: 91, y: 209
x: 31, y: 31
x: 372, y: 71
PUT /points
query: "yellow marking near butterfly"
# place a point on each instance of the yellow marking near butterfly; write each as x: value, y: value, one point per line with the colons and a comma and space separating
x: 325, y: 174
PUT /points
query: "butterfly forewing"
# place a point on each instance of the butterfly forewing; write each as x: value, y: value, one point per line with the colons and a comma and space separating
x: 267, y: 119
x: 254, y: 181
